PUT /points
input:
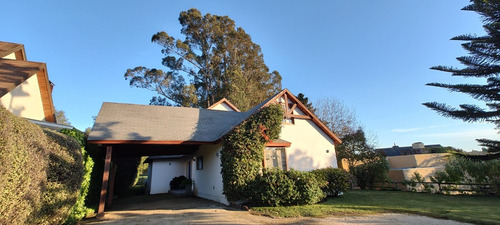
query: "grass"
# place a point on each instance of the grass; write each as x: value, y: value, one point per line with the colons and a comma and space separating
x: 465, y: 208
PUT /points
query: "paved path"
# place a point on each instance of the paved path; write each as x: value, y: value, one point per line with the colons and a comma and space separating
x: 166, y: 210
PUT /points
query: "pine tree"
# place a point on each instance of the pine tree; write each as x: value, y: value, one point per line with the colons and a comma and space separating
x: 215, y: 60
x: 483, y: 61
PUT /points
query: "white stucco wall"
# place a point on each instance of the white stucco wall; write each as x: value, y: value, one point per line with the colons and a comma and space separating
x: 10, y: 56
x: 163, y: 171
x: 25, y: 100
x: 308, y: 150
x: 208, y: 181
x: 223, y: 107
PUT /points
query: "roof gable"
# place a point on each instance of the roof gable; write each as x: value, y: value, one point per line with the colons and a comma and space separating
x: 15, y: 72
x: 286, y: 95
x: 7, y: 48
x: 224, y: 105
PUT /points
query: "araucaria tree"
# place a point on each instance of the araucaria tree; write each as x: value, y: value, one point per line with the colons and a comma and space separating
x: 483, y: 62
x: 215, y: 60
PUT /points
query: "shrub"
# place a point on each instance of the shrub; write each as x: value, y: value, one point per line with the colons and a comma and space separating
x: 308, y: 187
x: 274, y: 188
x: 40, y: 173
x: 64, y: 178
x: 23, y: 150
x: 180, y: 183
x: 335, y: 180
x: 79, y: 210
x: 242, y: 155
x: 467, y: 171
x: 371, y: 172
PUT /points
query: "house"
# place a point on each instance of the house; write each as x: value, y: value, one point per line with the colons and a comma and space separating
x: 415, y: 148
x: 25, y: 88
x: 188, y: 141
x: 406, y: 161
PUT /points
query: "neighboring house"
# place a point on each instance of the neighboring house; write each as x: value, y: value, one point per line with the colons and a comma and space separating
x: 25, y: 89
x: 405, y: 161
x: 188, y: 141
x: 415, y: 148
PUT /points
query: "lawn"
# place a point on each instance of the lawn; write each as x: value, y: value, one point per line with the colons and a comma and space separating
x: 465, y: 208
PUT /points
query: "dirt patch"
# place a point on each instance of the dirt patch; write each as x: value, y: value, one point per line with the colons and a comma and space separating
x: 168, y: 210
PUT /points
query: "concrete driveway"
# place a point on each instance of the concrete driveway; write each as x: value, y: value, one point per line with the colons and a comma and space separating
x: 165, y: 209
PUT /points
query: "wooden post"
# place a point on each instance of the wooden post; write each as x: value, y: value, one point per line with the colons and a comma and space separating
x: 111, y: 185
x: 104, y: 187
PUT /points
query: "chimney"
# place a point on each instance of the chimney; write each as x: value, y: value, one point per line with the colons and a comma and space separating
x: 417, y: 145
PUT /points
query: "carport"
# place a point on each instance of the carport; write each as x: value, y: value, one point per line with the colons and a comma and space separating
x: 128, y: 130
x: 115, y: 151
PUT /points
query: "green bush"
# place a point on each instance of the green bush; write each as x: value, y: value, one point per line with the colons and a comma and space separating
x: 335, y: 180
x: 64, y: 178
x: 79, y: 210
x: 242, y: 154
x: 276, y: 187
x: 40, y: 174
x: 308, y: 187
x: 23, y: 150
x: 466, y: 171
x: 373, y: 171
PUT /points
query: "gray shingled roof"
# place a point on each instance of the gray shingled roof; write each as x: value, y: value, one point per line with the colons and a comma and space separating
x: 129, y: 122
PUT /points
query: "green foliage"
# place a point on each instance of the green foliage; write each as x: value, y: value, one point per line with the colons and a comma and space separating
x: 336, y: 180
x: 277, y: 187
x: 180, y: 183
x: 97, y: 155
x: 77, y: 135
x: 417, y: 183
x: 308, y: 187
x: 242, y: 154
x: 482, y: 62
x: 61, y: 118
x: 141, y: 169
x: 23, y: 150
x: 465, y: 171
x: 274, y: 188
x: 64, y: 178
x: 79, y: 210
x: 216, y: 57
x: 370, y: 172
x: 354, y: 148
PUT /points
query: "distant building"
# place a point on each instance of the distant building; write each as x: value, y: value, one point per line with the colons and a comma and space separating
x: 415, y: 148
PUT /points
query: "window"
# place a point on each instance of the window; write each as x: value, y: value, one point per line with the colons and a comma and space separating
x: 199, y: 163
x: 275, y: 157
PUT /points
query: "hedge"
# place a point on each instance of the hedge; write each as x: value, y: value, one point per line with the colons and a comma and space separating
x: 23, y: 150
x: 275, y: 187
x: 41, y: 173
x: 335, y: 180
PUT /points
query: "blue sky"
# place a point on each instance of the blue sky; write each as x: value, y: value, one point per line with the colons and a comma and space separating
x: 374, y: 56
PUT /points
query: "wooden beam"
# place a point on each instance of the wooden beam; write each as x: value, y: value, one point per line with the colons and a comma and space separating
x: 286, y: 106
x: 300, y: 116
x: 293, y: 107
x: 111, y: 185
x: 104, y: 187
